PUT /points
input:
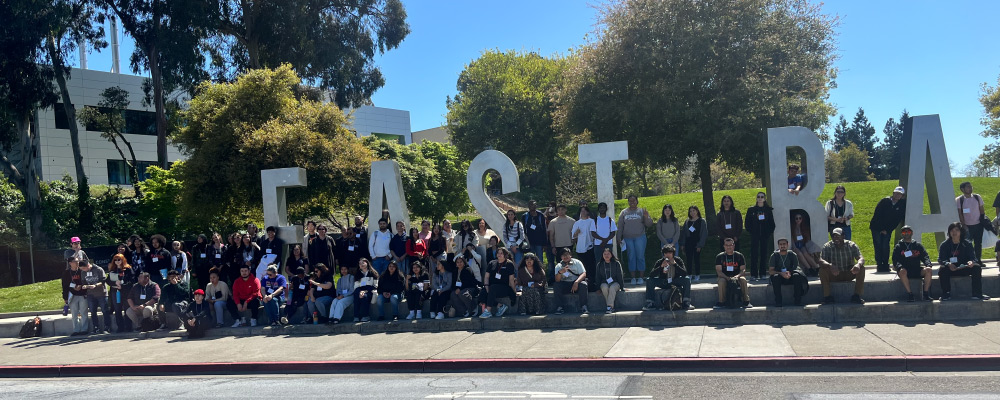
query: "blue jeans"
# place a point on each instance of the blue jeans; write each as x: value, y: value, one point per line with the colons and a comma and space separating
x: 518, y: 255
x: 636, y: 249
x: 322, y: 306
x: 393, y: 299
x: 102, y: 302
x: 380, y: 264
x: 881, y: 242
x: 273, y: 309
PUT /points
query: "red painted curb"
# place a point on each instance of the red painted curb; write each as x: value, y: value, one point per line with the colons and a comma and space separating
x: 680, y: 364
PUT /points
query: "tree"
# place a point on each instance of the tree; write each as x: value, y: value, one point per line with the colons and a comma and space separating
x: 681, y: 78
x: 861, y: 133
x: 330, y: 44
x: 11, y: 214
x: 504, y: 103
x: 890, y: 150
x: 109, y: 118
x: 850, y: 164
x: 232, y: 131
x: 167, y: 36
x: 990, y: 99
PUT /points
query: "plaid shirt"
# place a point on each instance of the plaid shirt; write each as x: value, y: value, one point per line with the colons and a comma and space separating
x: 843, y: 257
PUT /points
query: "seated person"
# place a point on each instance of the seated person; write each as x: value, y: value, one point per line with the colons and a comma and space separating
x: 795, y: 180
x: 501, y: 283
x: 571, y: 277
x: 219, y: 298
x: 731, y: 266
x: 364, y: 289
x: 668, y: 271
x: 841, y: 261
x: 609, y: 277
x: 912, y: 262
x: 173, y: 301
x: 344, y: 297
x: 958, y: 258
x: 441, y: 289
x: 783, y: 267
x: 321, y: 292
x: 272, y: 292
x: 531, y: 281
x: 299, y: 292
x: 805, y: 249
x: 197, y: 316
x: 391, y: 285
x: 141, y: 300
x: 418, y: 289
x: 246, y: 295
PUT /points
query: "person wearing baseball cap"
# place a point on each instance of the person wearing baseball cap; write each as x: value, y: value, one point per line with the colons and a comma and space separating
x: 173, y: 299
x: 912, y: 262
x: 841, y: 261
x: 887, y: 216
x: 197, y: 316
x: 75, y: 250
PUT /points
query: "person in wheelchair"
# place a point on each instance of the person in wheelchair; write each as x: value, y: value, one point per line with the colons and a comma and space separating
x: 668, y: 273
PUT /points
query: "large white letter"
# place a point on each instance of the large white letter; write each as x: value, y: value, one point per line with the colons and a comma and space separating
x: 510, y: 181
x: 778, y: 142
x: 273, y: 183
x: 603, y: 154
x: 923, y: 144
x: 385, y: 179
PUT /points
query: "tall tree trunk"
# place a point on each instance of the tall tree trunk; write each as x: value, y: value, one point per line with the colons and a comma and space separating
x: 705, y: 173
x: 552, y: 176
x: 82, y: 186
x: 161, y: 114
x: 25, y: 176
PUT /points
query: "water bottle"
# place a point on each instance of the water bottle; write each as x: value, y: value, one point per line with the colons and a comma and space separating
x: 118, y: 297
x: 315, y: 318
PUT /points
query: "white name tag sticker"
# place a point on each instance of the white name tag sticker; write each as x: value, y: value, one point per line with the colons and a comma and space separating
x: 669, y: 280
x: 350, y: 248
x: 218, y: 256
x: 302, y: 287
x: 799, y: 237
x: 791, y: 186
x: 691, y: 229
x: 966, y: 211
x: 729, y: 226
x: 156, y: 259
x: 784, y: 270
x: 72, y: 285
x: 270, y: 290
x: 566, y: 274
x: 357, y: 235
x: 760, y: 217
x: 319, y: 289
x: 907, y: 253
x: 142, y: 297
x: 497, y: 276
x: 610, y: 280
x: 730, y: 269
x: 532, y: 226
x: 530, y: 284
x: 113, y: 276
x: 90, y: 274
x: 344, y: 291
x: 458, y: 284
x: 953, y: 260
x: 268, y: 251
x: 203, y: 255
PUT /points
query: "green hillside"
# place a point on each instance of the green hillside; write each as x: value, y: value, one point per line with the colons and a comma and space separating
x: 864, y: 195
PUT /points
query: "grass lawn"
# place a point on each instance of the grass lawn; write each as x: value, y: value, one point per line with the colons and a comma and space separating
x: 864, y: 195
x: 35, y: 297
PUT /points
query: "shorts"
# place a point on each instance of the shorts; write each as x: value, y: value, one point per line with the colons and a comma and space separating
x: 914, y: 272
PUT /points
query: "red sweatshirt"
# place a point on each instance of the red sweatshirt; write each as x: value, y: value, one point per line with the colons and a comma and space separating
x: 246, y: 289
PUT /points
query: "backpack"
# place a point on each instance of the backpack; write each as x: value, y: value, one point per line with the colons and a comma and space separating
x: 149, y: 324
x: 32, y: 328
x: 734, y: 294
x: 671, y: 299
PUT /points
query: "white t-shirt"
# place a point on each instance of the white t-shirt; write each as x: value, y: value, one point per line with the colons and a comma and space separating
x: 582, y: 229
x: 604, y: 227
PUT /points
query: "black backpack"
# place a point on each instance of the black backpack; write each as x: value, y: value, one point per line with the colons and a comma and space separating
x: 32, y: 328
x: 734, y: 294
x: 671, y: 299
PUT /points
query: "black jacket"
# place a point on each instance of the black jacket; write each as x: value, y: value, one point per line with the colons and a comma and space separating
x: 757, y: 227
x: 887, y: 216
x: 394, y: 284
x: 657, y: 272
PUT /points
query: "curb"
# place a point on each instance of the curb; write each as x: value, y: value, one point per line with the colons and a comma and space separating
x: 644, y: 365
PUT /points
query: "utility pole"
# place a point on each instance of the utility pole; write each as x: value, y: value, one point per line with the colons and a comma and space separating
x: 31, y: 253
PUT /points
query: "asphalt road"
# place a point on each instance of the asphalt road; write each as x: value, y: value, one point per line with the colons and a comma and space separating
x: 820, y: 386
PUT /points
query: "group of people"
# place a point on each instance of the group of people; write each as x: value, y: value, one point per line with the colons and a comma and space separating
x: 474, y: 271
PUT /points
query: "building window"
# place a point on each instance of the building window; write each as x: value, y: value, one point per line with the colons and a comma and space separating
x: 118, y: 172
x: 136, y: 122
x: 390, y: 137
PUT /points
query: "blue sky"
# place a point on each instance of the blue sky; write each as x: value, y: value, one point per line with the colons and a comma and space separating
x: 928, y: 57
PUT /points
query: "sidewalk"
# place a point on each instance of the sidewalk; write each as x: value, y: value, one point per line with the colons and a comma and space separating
x: 682, y: 348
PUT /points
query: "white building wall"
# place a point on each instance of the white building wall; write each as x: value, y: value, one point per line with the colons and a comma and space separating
x: 369, y: 119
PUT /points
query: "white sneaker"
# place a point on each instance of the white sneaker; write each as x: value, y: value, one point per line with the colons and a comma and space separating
x: 410, y: 315
x: 237, y: 324
x: 440, y: 316
x: 253, y: 322
x: 420, y: 314
x: 641, y: 282
x: 633, y: 282
x: 584, y: 310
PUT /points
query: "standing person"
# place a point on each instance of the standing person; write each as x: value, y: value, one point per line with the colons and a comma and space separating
x: 425, y: 230
x: 560, y: 231
x: 668, y: 271
x: 416, y: 248
x: 75, y: 250
x: 309, y: 237
x: 144, y: 296
x: 397, y: 245
x: 272, y: 293
x: 842, y: 262
x: 298, y: 298
x: 379, y: 246
x: 466, y: 286
x: 159, y: 259
x: 632, y: 223
x: 582, y: 229
x: 668, y: 230
x: 694, y: 233
x: 219, y: 298
x: 465, y: 236
x: 805, y: 248
x: 180, y: 261
x: 609, y: 277
x: 254, y: 233
x: 121, y: 277
x: 272, y: 245
x: 731, y: 266
x: 231, y: 269
x: 514, y: 235
x: 535, y: 227
x: 97, y: 294
x: 760, y: 223
x: 202, y: 261
x: 887, y: 216
x: 441, y: 290
x: 449, y: 237
x: 912, y: 262
x: 246, y: 295
x: 501, y: 284
x: 604, y: 230
x: 321, y: 248
x: 296, y: 260
x: 344, y: 295
x: 349, y: 249
x: 391, y: 285
x: 249, y: 255
x: 321, y: 293
x: 140, y: 256
x: 75, y: 296
x: 531, y: 282
x: 840, y: 212
x: 364, y: 290
x: 957, y: 257
x: 197, y: 316
x: 729, y: 222
x: 972, y: 214
x: 483, y: 235
x: 570, y: 278
x: 436, y: 247
x: 783, y: 267
x: 795, y: 180
x: 417, y: 288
